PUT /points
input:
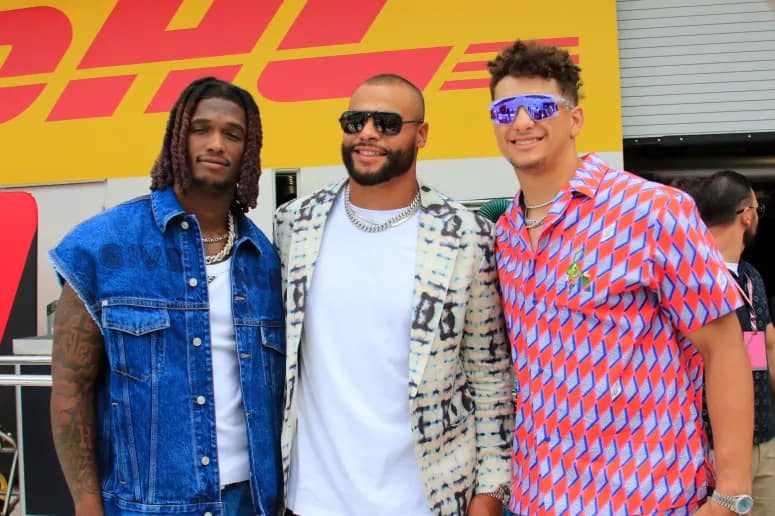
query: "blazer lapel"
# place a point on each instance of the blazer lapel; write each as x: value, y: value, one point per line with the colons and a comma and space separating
x: 307, y: 235
x: 437, y: 249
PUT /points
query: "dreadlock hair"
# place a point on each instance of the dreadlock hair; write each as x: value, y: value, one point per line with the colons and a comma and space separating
x: 533, y: 60
x: 172, y: 166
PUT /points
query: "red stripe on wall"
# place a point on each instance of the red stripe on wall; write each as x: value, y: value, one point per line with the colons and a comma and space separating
x: 476, y: 48
x: 466, y: 84
x: 18, y: 224
x: 337, y: 76
x: 323, y: 22
x: 177, y: 80
x: 14, y: 100
x: 91, y: 98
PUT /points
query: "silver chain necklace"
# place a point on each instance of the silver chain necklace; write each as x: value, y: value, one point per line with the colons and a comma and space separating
x: 536, y: 206
x: 212, y: 240
x: 369, y: 226
x: 534, y: 223
x: 223, y: 253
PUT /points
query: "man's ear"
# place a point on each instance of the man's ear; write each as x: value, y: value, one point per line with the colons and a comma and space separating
x: 422, y: 135
x: 576, y: 121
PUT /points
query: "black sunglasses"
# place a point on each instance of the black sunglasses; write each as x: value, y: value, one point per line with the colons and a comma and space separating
x: 759, y: 209
x: 389, y: 124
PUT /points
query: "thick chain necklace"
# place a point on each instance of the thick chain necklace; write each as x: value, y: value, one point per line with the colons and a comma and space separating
x: 230, y: 238
x: 369, y: 226
x: 534, y: 223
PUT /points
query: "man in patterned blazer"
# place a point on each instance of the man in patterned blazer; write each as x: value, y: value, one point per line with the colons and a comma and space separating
x: 398, y: 388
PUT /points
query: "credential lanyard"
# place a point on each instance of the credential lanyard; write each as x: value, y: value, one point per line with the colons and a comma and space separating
x: 748, y: 298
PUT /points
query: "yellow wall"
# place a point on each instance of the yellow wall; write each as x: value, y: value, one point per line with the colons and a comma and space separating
x: 51, y: 141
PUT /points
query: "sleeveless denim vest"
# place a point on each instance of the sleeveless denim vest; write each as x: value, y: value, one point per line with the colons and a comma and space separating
x: 139, y: 270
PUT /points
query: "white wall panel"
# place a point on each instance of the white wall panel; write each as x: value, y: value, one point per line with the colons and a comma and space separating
x: 692, y: 67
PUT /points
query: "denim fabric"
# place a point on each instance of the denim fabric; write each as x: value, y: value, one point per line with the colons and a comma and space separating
x: 236, y: 500
x: 139, y: 269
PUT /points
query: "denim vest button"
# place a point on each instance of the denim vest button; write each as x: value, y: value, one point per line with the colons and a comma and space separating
x: 184, y: 225
x: 193, y: 282
x: 208, y: 514
x: 205, y: 460
x: 200, y: 400
x: 196, y: 342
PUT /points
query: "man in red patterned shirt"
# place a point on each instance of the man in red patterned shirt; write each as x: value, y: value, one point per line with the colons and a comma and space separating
x: 615, y: 300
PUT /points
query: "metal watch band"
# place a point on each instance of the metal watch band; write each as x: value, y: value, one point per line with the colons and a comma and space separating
x: 732, y: 503
x: 502, y: 494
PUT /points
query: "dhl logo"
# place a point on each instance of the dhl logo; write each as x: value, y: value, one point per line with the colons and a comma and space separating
x: 142, y: 32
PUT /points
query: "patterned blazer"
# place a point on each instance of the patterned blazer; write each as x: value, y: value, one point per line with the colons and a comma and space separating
x: 459, y: 364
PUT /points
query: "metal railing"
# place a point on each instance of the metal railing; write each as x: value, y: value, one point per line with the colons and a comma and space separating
x: 21, y: 379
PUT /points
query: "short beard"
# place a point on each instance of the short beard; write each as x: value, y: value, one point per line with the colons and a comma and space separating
x: 749, y: 237
x: 223, y: 186
x: 527, y: 167
x: 398, y: 163
x: 220, y: 187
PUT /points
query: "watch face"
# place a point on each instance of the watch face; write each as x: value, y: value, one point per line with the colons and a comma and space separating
x: 744, y: 504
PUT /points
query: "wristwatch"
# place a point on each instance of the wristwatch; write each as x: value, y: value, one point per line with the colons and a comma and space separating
x: 739, y: 504
x: 501, y: 493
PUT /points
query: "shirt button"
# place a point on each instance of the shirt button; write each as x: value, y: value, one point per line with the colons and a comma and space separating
x: 193, y: 282
x: 196, y: 342
x: 200, y: 400
x: 616, y: 390
x: 205, y: 460
x: 184, y: 224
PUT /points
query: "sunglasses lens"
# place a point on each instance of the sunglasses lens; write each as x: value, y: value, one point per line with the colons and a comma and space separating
x: 388, y: 124
x: 352, y: 122
x: 538, y: 107
x: 504, y: 111
x: 541, y: 108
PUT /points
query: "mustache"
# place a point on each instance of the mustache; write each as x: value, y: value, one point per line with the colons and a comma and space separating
x: 355, y: 146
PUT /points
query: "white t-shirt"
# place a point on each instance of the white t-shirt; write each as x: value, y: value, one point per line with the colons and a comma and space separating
x: 354, y: 449
x: 230, y: 425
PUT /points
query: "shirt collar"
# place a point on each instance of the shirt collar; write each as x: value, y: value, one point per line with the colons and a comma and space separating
x: 589, y: 175
x: 585, y: 181
x: 165, y: 207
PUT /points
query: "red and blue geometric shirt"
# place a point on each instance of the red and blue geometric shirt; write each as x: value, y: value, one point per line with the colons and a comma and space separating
x: 608, y: 388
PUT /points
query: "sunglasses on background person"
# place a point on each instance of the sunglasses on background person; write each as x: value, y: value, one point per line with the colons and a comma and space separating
x: 388, y: 124
x: 538, y: 107
x: 759, y: 209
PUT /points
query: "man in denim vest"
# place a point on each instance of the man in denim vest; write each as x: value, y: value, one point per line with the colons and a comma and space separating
x: 168, y: 356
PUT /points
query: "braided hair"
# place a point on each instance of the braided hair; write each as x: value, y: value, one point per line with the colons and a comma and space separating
x: 172, y: 166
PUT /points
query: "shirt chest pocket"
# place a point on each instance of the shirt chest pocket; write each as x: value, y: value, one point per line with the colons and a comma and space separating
x: 273, y: 348
x: 269, y: 338
x: 135, y: 339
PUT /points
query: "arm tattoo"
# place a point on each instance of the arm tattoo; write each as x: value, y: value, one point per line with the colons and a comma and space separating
x: 78, y: 359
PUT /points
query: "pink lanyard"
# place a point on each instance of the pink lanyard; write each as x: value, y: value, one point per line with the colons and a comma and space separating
x: 748, y: 300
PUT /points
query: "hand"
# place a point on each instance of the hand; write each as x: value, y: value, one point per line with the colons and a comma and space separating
x: 483, y: 505
x: 710, y: 508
